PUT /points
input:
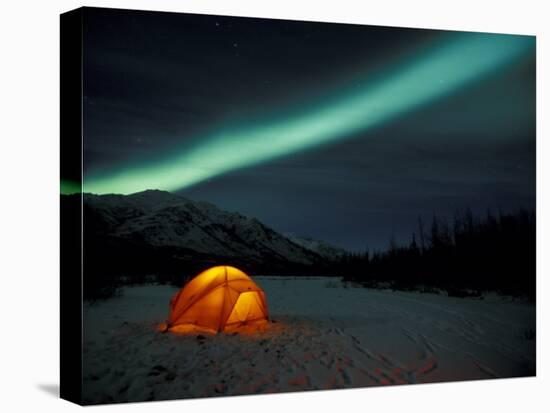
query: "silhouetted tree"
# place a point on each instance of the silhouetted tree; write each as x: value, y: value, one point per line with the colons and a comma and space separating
x: 494, y: 253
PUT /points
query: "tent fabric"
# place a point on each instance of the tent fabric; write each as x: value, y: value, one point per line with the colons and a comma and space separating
x: 221, y: 298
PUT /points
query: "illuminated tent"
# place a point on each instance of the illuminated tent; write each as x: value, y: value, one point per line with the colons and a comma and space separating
x: 221, y: 298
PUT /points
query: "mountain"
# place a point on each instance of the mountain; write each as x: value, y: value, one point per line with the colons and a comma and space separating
x: 324, y: 249
x: 170, y: 229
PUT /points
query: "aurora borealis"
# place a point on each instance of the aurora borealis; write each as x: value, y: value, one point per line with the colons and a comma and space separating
x: 160, y: 113
x: 463, y: 58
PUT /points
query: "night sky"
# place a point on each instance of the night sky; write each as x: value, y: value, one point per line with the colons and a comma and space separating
x: 343, y: 133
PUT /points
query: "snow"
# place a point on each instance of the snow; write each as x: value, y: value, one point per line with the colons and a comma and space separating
x: 325, y: 335
x: 160, y: 218
x: 322, y: 248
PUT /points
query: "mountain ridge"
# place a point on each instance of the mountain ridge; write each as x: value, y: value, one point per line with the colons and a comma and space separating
x: 163, y: 220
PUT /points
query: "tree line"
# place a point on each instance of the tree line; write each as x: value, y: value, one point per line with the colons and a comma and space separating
x: 464, y: 256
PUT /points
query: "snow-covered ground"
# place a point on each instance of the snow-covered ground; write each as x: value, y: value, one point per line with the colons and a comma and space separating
x: 323, y: 336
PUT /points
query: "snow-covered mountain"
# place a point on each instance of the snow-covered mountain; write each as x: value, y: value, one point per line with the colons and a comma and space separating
x: 162, y: 219
x: 322, y: 248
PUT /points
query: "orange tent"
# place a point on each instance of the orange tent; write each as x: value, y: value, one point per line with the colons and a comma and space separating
x: 219, y: 299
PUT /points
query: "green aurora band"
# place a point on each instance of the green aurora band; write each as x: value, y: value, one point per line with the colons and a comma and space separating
x: 431, y: 74
x: 69, y: 187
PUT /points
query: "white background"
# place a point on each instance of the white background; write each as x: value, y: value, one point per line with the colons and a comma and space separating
x: 29, y: 187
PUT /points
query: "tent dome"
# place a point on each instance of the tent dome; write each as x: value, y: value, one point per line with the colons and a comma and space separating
x: 221, y: 298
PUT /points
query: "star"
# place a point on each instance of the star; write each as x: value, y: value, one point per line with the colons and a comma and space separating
x: 338, y: 117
